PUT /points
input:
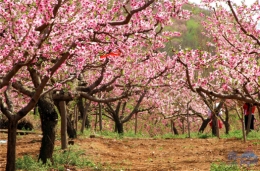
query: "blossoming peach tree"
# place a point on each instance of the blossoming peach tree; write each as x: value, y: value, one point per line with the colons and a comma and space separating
x: 43, y: 41
x: 232, y: 70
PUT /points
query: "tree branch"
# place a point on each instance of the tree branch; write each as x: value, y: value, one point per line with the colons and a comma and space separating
x: 242, y: 28
x: 130, y: 14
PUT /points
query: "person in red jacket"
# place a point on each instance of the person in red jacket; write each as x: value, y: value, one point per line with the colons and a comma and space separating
x: 247, y: 108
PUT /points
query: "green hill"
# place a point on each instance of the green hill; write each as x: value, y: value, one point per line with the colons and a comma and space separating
x: 191, y: 32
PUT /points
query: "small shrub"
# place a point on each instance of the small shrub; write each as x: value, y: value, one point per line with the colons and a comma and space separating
x: 71, y: 158
x: 30, y: 164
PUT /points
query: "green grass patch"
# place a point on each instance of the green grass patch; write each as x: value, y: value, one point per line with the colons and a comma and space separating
x: 62, y: 160
x: 109, y: 134
x: 224, y: 167
x: 228, y: 167
x: 253, y: 135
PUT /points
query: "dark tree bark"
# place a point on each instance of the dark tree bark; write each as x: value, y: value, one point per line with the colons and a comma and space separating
x: 215, y: 130
x: 81, y: 107
x: 63, y: 115
x: 49, y: 118
x: 119, y: 126
x: 100, y: 116
x: 71, y: 131
x: 11, y: 145
x: 174, y: 129
x: 136, y: 119
x: 85, y: 118
x: 227, y: 127
x: 183, y: 126
x: 204, y: 124
x: 82, y: 111
x: 116, y: 117
x: 226, y: 121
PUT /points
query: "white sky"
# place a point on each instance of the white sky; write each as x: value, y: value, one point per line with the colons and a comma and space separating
x: 249, y: 2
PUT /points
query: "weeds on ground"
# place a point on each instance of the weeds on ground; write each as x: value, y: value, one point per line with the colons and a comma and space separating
x: 228, y: 167
x: 29, y: 163
x: 62, y: 160
x: 253, y: 135
x: 109, y: 134
x: 233, y: 134
x: 224, y: 167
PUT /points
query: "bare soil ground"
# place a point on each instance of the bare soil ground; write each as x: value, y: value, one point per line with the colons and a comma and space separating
x: 145, y: 154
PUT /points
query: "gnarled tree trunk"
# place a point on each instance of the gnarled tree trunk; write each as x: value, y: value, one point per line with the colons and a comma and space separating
x: 49, y: 118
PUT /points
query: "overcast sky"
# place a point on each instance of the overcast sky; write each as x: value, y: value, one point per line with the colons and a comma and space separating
x: 247, y: 1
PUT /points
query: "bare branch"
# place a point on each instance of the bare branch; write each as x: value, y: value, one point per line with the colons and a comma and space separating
x: 96, y: 99
x: 4, y: 109
x: 8, y: 100
x: 22, y: 89
x: 130, y: 14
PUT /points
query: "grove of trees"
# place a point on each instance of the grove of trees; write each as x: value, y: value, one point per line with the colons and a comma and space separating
x: 120, y: 60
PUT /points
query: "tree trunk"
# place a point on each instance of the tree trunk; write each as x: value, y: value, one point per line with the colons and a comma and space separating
x: 100, y: 116
x: 49, y: 118
x: 227, y: 126
x: 96, y: 122
x: 136, y: 123
x: 183, y: 126
x: 188, y: 123
x: 76, y: 118
x: 119, y: 127
x: 82, y: 112
x: 71, y: 131
x: 63, y: 114
x: 204, y: 125
x: 215, y: 130
x: 174, y: 129
x: 85, y: 121
x: 226, y: 122
x: 11, y: 144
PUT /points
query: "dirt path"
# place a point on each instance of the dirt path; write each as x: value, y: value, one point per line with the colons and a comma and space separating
x: 146, y: 154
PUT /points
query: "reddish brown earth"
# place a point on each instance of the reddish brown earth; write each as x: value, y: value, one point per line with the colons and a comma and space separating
x: 145, y: 154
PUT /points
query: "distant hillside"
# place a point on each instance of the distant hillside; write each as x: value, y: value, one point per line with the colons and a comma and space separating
x: 191, y: 31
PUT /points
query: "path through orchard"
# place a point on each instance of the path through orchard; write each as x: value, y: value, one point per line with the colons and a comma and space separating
x: 145, y: 154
